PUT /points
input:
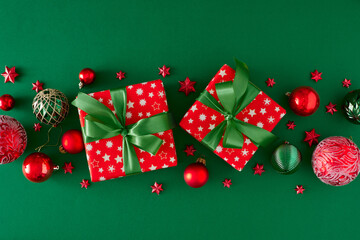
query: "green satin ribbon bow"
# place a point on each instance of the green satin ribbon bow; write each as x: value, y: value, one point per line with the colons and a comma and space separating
x: 234, y: 97
x: 101, y: 123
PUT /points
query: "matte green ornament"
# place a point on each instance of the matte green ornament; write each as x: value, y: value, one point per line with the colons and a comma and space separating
x: 351, y: 106
x: 286, y: 158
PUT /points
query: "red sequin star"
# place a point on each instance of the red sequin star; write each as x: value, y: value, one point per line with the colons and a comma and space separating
x: 189, y: 150
x: 37, y: 127
x: 331, y: 108
x: 120, y: 75
x: 68, y: 167
x: 291, y: 125
x: 346, y: 83
x: 316, y: 75
x: 164, y: 71
x: 299, y: 189
x: 156, y: 188
x: 227, y: 183
x: 38, y: 86
x: 9, y: 74
x: 187, y: 86
x: 258, y: 169
x: 270, y: 82
x: 85, y: 183
x: 311, y: 137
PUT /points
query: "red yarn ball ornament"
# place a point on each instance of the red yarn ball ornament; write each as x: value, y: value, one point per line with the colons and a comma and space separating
x: 86, y: 76
x: 196, y: 174
x: 304, y: 101
x: 7, y: 102
x: 38, y: 167
x: 72, y: 141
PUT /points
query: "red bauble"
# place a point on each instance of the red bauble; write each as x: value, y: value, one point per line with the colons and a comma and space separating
x: 72, y: 141
x: 304, y: 101
x: 196, y: 174
x: 38, y: 167
x: 7, y: 102
x: 86, y: 76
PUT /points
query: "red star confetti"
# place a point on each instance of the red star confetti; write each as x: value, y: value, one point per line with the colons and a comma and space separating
x: 156, y: 188
x: 227, y: 183
x: 258, y: 169
x: 331, y: 108
x: 187, y: 86
x: 316, y: 75
x: 9, y: 74
x: 311, y: 137
x: 164, y: 71
x: 37, y: 127
x: 38, y: 86
x: 190, y: 150
x: 291, y: 125
x: 85, y: 183
x: 346, y: 83
x: 120, y: 75
x: 299, y: 189
x: 68, y: 167
x: 270, y: 82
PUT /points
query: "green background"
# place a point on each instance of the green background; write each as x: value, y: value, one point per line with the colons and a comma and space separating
x: 52, y: 41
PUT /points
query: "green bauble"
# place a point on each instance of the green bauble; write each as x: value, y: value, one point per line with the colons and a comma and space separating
x: 286, y: 158
x: 351, y: 106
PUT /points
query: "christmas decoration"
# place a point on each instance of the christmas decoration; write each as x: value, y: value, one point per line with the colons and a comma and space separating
x: 299, y: 189
x: 164, y: 71
x: 9, y: 74
x: 38, y: 167
x: 86, y: 76
x: 311, y: 137
x: 286, y: 158
x: 196, y: 174
x: 331, y: 108
x: 189, y: 150
x: 351, y: 106
x: 316, y: 75
x: 84, y: 183
x: 270, y: 82
x: 187, y: 86
x: 304, y: 101
x: 217, y: 124
x: 37, y: 127
x: 291, y: 125
x: 258, y: 169
x: 68, y: 167
x: 13, y: 139
x: 156, y: 188
x: 50, y: 106
x: 346, y: 83
x: 335, y: 161
x: 227, y: 183
x: 120, y: 75
x: 72, y: 141
x: 37, y: 86
x: 137, y: 139
x: 7, y: 102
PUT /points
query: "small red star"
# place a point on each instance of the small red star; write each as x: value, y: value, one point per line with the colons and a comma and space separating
x: 227, y: 183
x: 85, y: 183
x: 68, y: 167
x: 164, y: 71
x: 258, y: 169
x: 156, y: 188
x: 9, y: 74
x: 120, y: 75
x: 187, y: 86
x: 38, y: 86
x: 311, y: 137
x: 189, y: 150
x: 37, y: 127
x: 331, y: 108
x: 346, y: 83
x: 299, y: 189
x: 291, y: 125
x: 316, y: 75
x: 270, y: 82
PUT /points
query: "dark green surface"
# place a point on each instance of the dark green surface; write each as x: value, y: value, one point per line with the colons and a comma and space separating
x: 52, y: 41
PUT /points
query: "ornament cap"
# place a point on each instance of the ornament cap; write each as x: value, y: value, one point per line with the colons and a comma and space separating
x: 62, y: 150
x: 288, y: 94
x: 201, y: 160
x: 81, y: 85
x: 56, y: 167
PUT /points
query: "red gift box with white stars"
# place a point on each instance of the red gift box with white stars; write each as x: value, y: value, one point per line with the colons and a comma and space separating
x: 262, y: 112
x: 105, y: 156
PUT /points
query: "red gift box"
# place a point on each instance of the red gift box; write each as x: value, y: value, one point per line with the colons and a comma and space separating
x: 105, y: 157
x: 262, y: 112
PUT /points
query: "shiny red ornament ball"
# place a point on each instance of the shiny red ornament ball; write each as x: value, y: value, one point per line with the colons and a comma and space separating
x: 72, y: 141
x: 7, y: 102
x: 336, y: 160
x: 196, y: 175
x: 38, y: 167
x: 304, y: 101
x: 86, y: 76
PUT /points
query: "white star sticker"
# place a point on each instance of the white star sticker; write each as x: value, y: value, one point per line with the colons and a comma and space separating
x: 202, y: 117
x: 109, y: 144
x: 106, y: 157
x: 142, y: 102
x: 130, y: 104
x: 260, y: 124
x: 262, y: 111
x: 252, y: 112
x: 118, y: 159
x: 222, y: 73
x: 152, y: 168
x: 212, y: 126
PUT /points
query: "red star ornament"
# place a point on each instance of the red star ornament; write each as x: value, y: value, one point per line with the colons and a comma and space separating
x: 258, y: 169
x: 311, y: 137
x: 37, y: 127
x: 68, y: 167
x: 187, y: 86
x: 346, y: 83
x: 331, y: 108
x: 85, y: 183
x: 164, y: 71
x: 120, y: 75
x: 270, y: 82
x: 299, y: 189
x: 291, y: 125
x: 156, y: 188
x: 227, y: 183
x: 37, y: 86
x: 189, y: 150
x: 9, y: 74
x: 316, y: 75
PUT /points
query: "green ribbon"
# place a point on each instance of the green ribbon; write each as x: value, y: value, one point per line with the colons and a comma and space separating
x: 234, y: 97
x: 101, y: 123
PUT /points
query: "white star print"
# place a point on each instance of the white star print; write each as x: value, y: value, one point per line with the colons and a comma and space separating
x: 200, y: 129
x: 109, y: 144
x: 211, y: 91
x: 188, y: 130
x: 282, y: 115
x: 225, y: 159
x: 252, y: 112
x: 277, y: 109
x: 172, y: 159
x: 236, y: 158
x: 111, y: 168
x: 246, y: 119
x: 267, y: 101
x: 202, y: 117
x: 118, y: 159
x: 193, y: 108
x: 91, y: 94
x: 161, y: 94
x: 213, y: 117
x: 260, y: 124
x: 152, y: 168
x: 253, y: 152
x: 271, y: 119
x: 165, y: 166
x: 263, y: 111
x: 140, y: 114
x: 218, y: 149
x: 101, y: 170
x: 142, y: 102
x: 148, y: 114
x: 110, y: 102
x: 102, y: 178
x: 98, y: 152
x: 142, y: 160
x: 106, y: 157
x: 212, y: 126
x: 120, y: 148
x: 244, y: 152
x: 153, y: 85
x: 151, y: 95
x: 130, y: 87
x: 161, y: 133
x: 222, y: 73
x: 128, y: 115
x: 139, y: 91
x: 247, y: 141
x: 130, y: 104
x: 171, y: 145
x: 89, y: 147
x: 101, y: 100
x: 190, y: 120
x: 97, y: 141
